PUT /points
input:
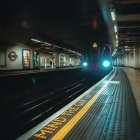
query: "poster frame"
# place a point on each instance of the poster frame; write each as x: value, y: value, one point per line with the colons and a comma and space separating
x: 23, y: 58
x: 34, y: 61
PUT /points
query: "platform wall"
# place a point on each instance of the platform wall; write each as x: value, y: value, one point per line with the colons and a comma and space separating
x: 129, y: 59
x: 44, y: 58
x: 17, y: 64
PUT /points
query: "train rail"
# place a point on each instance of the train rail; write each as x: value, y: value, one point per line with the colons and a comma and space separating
x: 22, y: 118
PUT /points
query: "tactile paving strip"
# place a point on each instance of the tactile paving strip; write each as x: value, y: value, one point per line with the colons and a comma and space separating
x: 113, y: 116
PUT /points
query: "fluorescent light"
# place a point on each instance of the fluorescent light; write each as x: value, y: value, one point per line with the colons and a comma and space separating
x: 38, y: 41
x: 117, y: 43
x: 127, y: 49
x: 35, y: 40
x: 116, y: 36
x: 48, y: 44
x: 113, y: 14
x: 126, y: 46
x: 115, y: 28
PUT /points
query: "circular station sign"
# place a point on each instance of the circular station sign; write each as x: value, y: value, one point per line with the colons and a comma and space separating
x: 12, y: 56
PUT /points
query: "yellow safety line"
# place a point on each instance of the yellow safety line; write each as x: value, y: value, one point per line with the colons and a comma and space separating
x: 67, y: 127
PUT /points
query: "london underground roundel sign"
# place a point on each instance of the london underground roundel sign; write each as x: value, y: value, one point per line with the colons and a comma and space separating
x: 12, y: 56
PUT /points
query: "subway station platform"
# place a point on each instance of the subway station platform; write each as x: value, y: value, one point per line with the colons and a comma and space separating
x: 23, y: 72
x: 107, y: 110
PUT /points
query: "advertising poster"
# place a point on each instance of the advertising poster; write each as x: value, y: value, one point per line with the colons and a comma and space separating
x: 62, y: 60
x: 36, y: 59
x: 26, y: 59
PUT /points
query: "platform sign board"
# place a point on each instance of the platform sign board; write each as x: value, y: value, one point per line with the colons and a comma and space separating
x: 26, y: 59
x: 12, y: 56
x: 36, y: 59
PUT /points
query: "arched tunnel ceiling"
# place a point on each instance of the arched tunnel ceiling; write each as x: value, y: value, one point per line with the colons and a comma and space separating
x: 69, y: 23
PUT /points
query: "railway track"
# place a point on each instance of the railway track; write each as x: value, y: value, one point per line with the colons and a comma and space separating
x: 15, y: 122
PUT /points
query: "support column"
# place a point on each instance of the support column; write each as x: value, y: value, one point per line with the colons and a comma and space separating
x: 57, y: 59
x: 67, y: 60
x: 137, y: 63
x: 132, y: 59
x: 127, y: 59
x: 139, y: 57
x: 116, y: 61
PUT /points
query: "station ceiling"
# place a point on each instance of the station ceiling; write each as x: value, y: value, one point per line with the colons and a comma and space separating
x: 128, y: 21
x: 75, y: 24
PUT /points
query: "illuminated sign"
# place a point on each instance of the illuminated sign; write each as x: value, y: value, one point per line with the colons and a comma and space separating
x: 26, y: 58
x: 12, y: 56
x: 124, y: 35
x: 95, y: 45
x: 62, y: 60
x: 36, y: 59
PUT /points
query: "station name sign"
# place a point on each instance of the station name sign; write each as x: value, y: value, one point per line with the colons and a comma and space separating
x: 12, y: 56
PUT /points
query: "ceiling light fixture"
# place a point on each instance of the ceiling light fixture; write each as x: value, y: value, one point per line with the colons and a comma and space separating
x: 35, y: 40
x: 113, y: 14
x: 47, y: 44
x: 115, y: 28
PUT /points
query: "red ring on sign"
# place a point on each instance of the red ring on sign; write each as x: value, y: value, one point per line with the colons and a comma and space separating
x: 12, y: 58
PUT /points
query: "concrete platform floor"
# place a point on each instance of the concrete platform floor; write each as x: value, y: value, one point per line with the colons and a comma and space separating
x: 134, y: 78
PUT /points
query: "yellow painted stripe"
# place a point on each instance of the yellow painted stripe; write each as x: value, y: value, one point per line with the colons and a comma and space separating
x: 67, y: 127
